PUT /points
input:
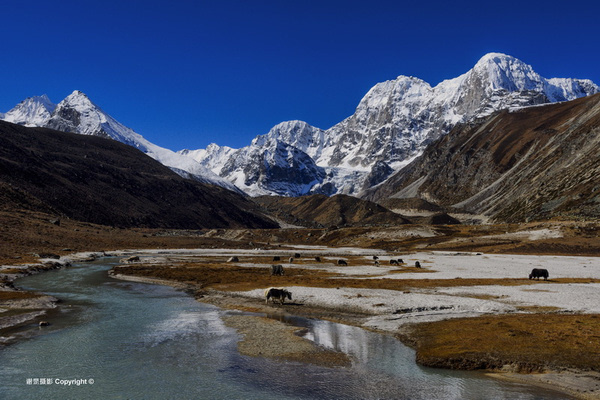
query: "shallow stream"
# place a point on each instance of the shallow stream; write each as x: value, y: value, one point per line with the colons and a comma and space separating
x: 123, y: 340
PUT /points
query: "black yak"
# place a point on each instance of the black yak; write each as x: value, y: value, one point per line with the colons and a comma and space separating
x: 539, y: 273
x: 277, y: 269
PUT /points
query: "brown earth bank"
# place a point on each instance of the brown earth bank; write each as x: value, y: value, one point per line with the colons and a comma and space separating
x: 523, y: 342
x: 23, y: 234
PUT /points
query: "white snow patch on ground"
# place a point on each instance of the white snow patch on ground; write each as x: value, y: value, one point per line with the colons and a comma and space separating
x: 390, y: 309
x: 537, y: 234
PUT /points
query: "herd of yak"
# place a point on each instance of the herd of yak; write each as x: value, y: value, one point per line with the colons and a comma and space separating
x: 280, y: 294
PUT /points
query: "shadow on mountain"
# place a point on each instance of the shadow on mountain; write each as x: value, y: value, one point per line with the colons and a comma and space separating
x: 106, y: 182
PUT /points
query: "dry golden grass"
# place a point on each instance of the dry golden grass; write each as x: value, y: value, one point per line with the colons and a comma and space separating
x: 24, y: 234
x: 6, y: 295
x: 530, y: 342
x: 230, y: 277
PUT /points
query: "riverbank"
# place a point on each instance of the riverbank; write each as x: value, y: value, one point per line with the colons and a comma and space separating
x: 464, y: 274
x: 395, y: 299
x: 578, y: 383
x: 272, y: 338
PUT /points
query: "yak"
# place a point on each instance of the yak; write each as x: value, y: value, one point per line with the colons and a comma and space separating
x: 277, y: 293
x: 277, y: 269
x: 539, y: 273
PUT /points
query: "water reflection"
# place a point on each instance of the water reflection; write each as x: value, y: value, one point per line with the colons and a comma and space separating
x: 383, y: 368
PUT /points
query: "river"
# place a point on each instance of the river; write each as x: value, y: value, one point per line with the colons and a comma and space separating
x: 124, y: 340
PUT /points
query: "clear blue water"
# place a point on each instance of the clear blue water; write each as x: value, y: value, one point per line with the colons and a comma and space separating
x: 140, y: 341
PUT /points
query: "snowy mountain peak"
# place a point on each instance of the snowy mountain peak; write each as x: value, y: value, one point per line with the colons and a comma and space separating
x: 78, y: 114
x: 33, y: 111
x: 78, y: 99
x: 391, y: 126
x: 296, y: 133
x: 500, y: 71
x: 81, y: 103
x: 496, y: 58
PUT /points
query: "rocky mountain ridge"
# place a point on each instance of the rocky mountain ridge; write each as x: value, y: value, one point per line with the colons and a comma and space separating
x: 528, y: 164
x: 392, y: 125
x: 78, y: 114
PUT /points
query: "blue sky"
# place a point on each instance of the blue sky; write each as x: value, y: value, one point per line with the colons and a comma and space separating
x: 187, y: 73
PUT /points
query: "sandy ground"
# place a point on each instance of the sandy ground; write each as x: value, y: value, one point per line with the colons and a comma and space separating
x: 266, y: 337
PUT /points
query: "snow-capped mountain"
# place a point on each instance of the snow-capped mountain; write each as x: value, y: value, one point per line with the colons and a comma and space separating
x: 33, y: 111
x: 275, y: 163
x: 392, y: 125
x: 78, y: 114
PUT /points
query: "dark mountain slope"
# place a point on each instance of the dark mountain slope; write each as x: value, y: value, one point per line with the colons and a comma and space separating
x: 535, y: 163
x: 317, y: 211
x: 106, y: 182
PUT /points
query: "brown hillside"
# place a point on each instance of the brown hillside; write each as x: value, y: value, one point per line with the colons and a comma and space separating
x: 532, y: 164
x: 105, y: 182
x: 320, y: 211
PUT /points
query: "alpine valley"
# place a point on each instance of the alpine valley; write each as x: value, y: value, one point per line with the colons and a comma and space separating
x: 430, y: 215
x: 392, y: 125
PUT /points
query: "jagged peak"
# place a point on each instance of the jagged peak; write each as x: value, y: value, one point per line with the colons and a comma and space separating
x: 500, y: 61
x: 409, y: 78
x: 213, y: 147
x: 77, y: 99
x: 286, y: 131
x: 42, y: 100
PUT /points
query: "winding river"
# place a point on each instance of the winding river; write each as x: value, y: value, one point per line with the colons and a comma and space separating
x: 123, y: 340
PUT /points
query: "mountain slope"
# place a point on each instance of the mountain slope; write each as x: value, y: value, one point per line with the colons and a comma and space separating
x: 320, y: 211
x: 534, y: 163
x: 392, y: 125
x: 78, y: 114
x: 107, y: 182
